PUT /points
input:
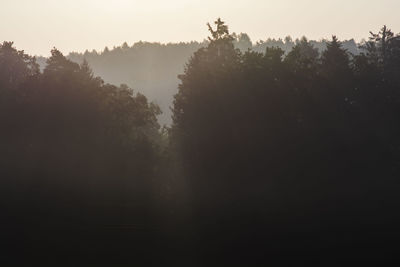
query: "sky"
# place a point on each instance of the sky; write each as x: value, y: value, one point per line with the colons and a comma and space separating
x: 37, y: 26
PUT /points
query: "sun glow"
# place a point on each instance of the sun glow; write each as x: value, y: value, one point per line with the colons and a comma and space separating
x: 76, y: 25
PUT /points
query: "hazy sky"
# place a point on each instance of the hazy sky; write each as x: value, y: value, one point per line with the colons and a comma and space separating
x: 75, y: 25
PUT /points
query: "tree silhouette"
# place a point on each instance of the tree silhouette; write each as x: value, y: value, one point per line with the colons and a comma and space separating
x: 289, y: 148
x: 267, y: 140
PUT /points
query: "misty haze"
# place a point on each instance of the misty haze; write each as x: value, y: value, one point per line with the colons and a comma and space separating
x: 137, y: 134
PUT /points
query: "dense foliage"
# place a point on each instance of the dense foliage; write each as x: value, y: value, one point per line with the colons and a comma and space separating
x: 77, y: 154
x: 304, y: 145
x: 271, y: 153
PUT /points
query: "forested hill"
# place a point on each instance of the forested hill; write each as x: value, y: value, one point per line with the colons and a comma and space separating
x: 152, y: 68
x: 289, y: 157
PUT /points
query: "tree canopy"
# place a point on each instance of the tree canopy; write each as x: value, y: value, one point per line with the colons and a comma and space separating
x: 276, y: 149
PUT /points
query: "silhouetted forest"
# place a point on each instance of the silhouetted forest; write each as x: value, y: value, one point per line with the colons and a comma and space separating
x: 282, y: 152
x: 153, y: 67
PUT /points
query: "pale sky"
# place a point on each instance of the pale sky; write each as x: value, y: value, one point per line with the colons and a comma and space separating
x: 76, y: 25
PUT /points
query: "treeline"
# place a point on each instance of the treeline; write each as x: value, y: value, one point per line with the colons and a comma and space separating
x: 293, y: 154
x: 289, y: 156
x: 79, y: 161
x: 152, y: 68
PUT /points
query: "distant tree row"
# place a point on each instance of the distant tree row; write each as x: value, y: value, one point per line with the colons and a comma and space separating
x: 152, y: 68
